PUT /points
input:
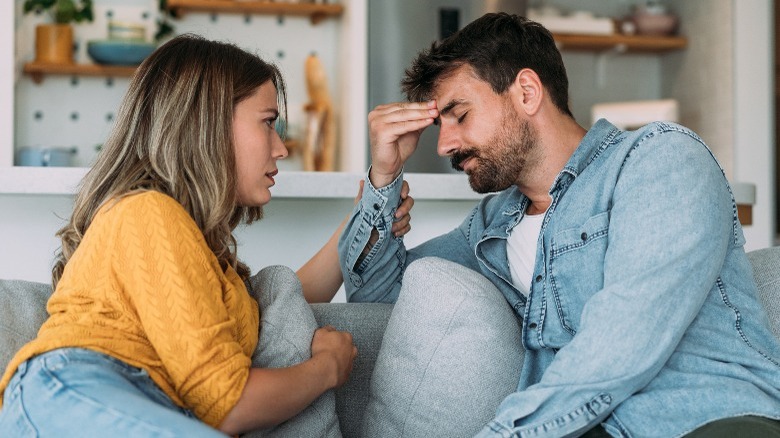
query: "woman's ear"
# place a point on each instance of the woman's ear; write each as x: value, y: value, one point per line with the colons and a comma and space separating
x: 528, y: 91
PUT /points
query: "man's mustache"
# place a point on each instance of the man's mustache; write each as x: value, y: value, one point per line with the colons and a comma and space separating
x: 460, y: 156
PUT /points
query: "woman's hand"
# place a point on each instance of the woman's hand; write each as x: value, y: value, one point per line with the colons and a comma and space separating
x: 321, y: 275
x: 336, y: 346
x: 274, y: 395
x: 402, y: 218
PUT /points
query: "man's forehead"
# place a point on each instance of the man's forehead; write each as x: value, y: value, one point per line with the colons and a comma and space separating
x: 458, y: 87
x: 452, y: 79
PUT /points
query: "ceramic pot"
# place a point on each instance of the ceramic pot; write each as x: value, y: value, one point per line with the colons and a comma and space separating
x: 54, y: 44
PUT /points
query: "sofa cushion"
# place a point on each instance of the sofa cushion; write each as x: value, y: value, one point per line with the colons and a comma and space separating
x: 766, y: 270
x: 22, y: 311
x: 451, y: 353
x: 287, y: 326
x: 366, y: 322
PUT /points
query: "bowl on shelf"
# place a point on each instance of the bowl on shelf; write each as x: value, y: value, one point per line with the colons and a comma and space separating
x: 655, y: 24
x: 119, y: 52
x: 120, y: 30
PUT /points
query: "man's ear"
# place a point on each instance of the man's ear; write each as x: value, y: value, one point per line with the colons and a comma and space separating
x: 528, y: 91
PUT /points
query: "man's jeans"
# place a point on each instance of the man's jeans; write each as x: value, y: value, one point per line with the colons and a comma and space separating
x: 742, y: 427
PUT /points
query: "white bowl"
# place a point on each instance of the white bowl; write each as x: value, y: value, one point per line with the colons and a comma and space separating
x: 118, y: 30
x: 655, y: 24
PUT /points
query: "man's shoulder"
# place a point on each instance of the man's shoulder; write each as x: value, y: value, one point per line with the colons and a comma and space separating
x: 664, y: 132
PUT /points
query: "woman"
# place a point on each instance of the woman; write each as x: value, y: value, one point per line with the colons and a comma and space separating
x: 151, y: 328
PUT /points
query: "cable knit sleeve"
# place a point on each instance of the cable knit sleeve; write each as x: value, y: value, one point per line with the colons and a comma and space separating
x: 179, y: 294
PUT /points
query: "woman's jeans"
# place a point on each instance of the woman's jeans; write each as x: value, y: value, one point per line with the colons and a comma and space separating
x: 79, y: 392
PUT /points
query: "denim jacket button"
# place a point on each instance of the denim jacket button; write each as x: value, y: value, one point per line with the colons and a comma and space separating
x: 538, y: 278
x: 376, y: 206
x: 584, y: 236
x: 532, y: 325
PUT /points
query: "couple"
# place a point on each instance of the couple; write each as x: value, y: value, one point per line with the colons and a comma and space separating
x: 619, y: 252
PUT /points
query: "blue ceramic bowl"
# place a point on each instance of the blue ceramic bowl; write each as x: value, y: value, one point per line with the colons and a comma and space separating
x: 119, y: 52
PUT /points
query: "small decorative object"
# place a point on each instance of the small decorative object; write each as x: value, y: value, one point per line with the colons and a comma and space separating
x: 164, y: 26
x: 118, y: 30
x: 577, y: 22
x: 319, y: 148
x: 46, y: 156
x: 54, y: 41
x: 653, y: 18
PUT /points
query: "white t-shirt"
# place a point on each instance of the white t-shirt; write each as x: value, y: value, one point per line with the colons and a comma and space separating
x: 521, y: 250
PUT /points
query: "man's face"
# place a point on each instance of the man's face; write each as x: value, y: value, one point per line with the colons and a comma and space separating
x: 482, y: 132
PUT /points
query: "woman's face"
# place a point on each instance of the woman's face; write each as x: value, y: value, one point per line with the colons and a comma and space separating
x: 257, y: 145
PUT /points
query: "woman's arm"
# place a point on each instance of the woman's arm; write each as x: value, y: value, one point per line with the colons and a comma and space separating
x: 321, y: 276
x: 274, y: 395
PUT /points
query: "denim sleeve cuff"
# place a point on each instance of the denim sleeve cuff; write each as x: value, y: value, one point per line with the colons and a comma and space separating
x: 381, y: 203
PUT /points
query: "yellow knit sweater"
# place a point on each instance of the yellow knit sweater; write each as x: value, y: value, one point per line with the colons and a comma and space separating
x: 144, y: 287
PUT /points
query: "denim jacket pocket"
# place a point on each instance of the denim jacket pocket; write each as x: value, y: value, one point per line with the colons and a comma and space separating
x: 576, y: 261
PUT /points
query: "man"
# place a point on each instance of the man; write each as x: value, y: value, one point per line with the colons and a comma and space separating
x: 620, y: 251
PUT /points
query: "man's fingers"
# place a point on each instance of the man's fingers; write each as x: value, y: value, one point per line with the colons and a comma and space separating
x: 392, y: 131
x: 398, y: 106
x: 401, y: 112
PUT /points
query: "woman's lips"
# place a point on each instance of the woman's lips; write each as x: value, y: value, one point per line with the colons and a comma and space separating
x: 271, y: 176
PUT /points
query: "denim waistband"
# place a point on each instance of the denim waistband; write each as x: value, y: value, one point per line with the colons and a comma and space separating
x: 62, y: 356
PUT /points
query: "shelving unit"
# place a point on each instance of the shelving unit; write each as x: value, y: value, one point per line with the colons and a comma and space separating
x: 622, y: 43
x: 316, y: 11
x: 38, y: 70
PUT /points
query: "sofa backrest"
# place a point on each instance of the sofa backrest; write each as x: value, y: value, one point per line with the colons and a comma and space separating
x: 23, y: 303
x: 22, y: 311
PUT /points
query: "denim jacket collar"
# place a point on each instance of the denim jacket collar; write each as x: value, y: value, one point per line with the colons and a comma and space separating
x: 600, y: 136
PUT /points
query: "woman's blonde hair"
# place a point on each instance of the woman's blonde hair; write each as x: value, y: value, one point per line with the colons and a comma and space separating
x: 173, y: 134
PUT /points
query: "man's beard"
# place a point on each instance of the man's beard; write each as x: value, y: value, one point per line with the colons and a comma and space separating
x: 500, y: 162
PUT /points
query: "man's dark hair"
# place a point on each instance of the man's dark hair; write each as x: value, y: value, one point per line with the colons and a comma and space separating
x: 497, y: 46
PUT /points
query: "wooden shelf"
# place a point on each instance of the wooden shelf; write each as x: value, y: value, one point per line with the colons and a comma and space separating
x: 619, y: 42
x: 38, y: 70
x: 317, y: 12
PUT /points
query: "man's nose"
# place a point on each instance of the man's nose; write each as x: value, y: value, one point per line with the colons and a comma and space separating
x: 448, y: 142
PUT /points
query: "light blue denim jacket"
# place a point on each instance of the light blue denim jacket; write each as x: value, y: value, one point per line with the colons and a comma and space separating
x: 643, y: 314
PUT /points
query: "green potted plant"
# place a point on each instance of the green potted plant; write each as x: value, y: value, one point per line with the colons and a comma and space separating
x: 54, y: 41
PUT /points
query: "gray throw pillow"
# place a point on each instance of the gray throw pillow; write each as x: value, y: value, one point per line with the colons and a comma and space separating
x: 450, y: 354
x: 287, y: 326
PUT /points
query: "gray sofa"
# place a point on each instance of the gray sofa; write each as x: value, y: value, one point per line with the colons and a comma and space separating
x: 22, y: 311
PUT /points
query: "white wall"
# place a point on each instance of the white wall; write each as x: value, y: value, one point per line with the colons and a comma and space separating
x: 700, y: 76
x: 754, y: 142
